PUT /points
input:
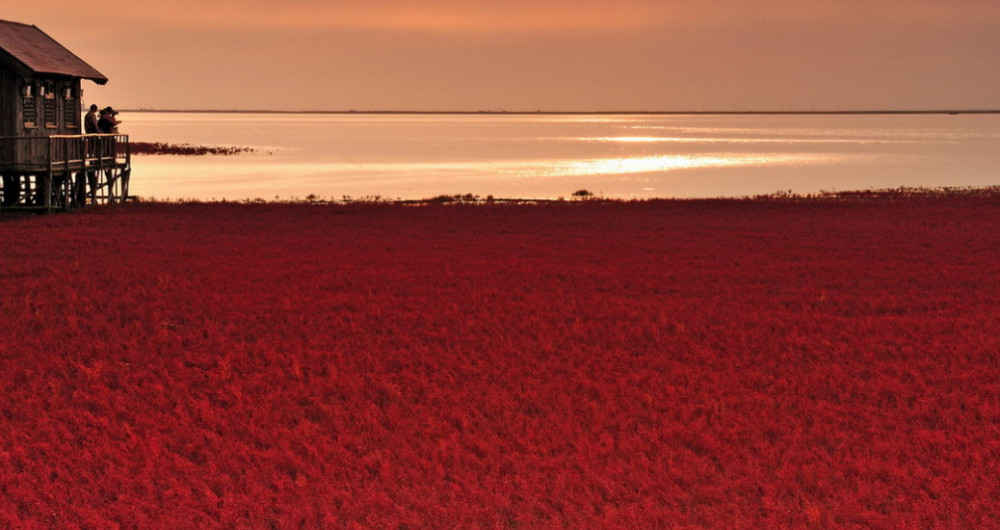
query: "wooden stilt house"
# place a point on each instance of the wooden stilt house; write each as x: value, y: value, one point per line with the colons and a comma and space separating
x: 46, y: 163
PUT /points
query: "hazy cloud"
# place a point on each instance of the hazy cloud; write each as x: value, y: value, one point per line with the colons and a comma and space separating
x: 530, y: 54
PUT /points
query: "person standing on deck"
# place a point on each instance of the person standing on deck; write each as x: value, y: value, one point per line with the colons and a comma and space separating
x: 106, y: 148
x: 90, y: 121
x: 89, y: 127
x: 108, y: 124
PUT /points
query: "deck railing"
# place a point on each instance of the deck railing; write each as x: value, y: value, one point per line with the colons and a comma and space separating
x: 26, y: 154
x: 62, y: 171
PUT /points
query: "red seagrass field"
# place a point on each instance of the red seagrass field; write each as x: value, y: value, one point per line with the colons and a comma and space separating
x: 827, y: 362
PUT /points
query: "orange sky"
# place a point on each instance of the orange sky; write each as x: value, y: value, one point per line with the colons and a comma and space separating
x: 532, y: 54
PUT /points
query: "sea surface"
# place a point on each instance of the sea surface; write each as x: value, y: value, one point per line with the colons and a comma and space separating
x: 417, y: 156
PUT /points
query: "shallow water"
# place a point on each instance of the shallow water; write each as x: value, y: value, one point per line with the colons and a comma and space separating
x: 550, y: 156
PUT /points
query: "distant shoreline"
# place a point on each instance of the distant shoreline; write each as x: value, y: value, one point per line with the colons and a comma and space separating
x: 591, y: 113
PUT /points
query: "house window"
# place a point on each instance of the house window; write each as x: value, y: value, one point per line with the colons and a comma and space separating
x: 30, y: 106
x: 71, y: 108
x: 51, y: 116
x: 71, y: 113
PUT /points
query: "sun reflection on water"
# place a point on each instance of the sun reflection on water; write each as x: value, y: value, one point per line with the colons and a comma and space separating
x: 652, y: 164
x: 529, y: 156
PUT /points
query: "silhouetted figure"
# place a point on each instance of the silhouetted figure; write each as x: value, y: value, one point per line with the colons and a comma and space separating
x: 108, y: 123
x: 90, y: 126
x: 90, y: 121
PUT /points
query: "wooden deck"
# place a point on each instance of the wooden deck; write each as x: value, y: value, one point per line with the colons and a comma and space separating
x: 63, y: 172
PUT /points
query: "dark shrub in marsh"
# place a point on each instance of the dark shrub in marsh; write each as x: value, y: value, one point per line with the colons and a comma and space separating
x: 156, y: 148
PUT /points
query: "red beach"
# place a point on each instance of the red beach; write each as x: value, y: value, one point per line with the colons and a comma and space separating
x: 706, y: 363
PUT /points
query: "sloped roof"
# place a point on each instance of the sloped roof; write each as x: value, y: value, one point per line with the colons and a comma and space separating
x: 30, y: 51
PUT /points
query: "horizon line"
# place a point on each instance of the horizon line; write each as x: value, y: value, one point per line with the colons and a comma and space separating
x: 593, y: 112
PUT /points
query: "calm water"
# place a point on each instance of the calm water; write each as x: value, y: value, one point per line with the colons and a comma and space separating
x: 544, y: 156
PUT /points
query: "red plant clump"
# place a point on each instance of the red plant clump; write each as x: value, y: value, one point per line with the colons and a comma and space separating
x: 736, y: 364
